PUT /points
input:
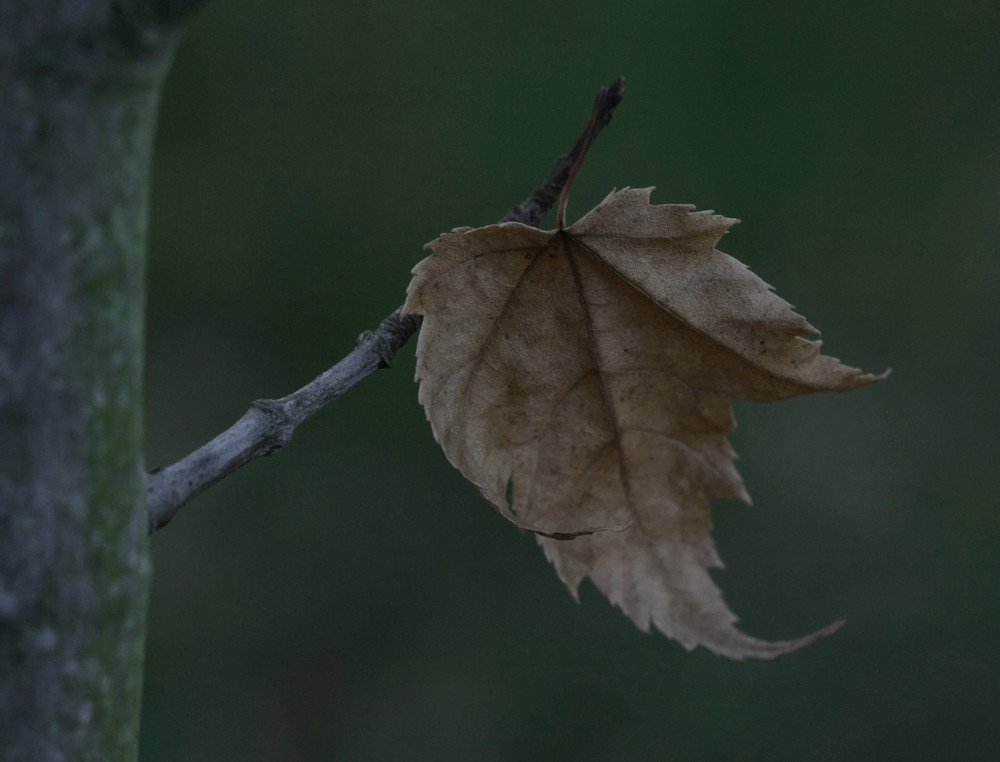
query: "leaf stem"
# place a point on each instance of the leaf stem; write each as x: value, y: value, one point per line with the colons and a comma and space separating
x: 607, y: 99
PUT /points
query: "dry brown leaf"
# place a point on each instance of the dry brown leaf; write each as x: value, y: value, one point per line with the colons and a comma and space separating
x: 580, y: 378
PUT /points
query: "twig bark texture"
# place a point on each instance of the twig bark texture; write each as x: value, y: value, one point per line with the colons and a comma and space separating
x: 268, y: 425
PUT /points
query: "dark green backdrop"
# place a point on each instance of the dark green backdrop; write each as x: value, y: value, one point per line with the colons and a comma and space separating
x: 354, y: 599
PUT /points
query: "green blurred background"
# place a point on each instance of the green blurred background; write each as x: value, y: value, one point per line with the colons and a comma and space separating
x: 354, y: 599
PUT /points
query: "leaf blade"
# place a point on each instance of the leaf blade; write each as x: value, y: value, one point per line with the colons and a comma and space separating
x: 581, y: 379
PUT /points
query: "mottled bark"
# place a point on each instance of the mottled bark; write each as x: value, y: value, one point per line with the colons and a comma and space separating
x: 79, y: 86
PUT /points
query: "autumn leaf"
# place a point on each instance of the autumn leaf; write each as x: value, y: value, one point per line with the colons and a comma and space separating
x: 581, y: 379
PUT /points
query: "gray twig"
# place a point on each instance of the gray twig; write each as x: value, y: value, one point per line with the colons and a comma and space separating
x: 268, y: 425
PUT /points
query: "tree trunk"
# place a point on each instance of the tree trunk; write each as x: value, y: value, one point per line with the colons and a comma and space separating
x: 79, y: 86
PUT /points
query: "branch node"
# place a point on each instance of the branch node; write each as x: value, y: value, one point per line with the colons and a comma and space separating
x: 281, y: 425
x: 381, y: 345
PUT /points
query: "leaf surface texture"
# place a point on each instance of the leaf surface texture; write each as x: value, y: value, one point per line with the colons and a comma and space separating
x: 581, y: 379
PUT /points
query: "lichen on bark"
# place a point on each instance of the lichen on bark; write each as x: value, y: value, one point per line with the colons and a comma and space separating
x: 79, y: 86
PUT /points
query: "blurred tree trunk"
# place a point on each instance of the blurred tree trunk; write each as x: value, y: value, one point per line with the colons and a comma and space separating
x: 79, y: 85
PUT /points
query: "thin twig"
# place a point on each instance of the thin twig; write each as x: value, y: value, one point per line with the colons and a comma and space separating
x: 268, y: 425
x: 544, y: 197
x: 604, y: 107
